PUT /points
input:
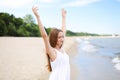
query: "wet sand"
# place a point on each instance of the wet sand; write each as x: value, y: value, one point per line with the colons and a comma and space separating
x: 96, y: 67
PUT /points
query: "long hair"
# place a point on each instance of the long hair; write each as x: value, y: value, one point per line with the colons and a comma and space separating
x: 53, y: 41
x: 53, y: 36
x: 49, y: 65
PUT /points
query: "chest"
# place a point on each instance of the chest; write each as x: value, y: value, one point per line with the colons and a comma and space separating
x: 63, y: 57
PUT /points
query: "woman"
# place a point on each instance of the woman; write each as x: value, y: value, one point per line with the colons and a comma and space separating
x: 58, y: 58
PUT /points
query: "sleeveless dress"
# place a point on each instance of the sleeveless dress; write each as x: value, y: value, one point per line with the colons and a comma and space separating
x: 60, y: 67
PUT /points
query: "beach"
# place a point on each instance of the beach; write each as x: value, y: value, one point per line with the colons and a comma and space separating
x: 24, y: 58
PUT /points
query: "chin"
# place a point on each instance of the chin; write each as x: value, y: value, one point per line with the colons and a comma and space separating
x: 61, y: 45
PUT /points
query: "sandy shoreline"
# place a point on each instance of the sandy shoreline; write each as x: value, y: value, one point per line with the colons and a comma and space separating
x: 20, y: 58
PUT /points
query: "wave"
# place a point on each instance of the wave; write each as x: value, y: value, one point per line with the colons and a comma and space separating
x: 88, y: 47
x: 116, y: 60
x: 117, y: 66
x: 79, y: 40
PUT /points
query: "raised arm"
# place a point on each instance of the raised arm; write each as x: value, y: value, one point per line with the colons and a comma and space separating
x: 48, y: 47
x: 42, y: 30
x: 64, y: 21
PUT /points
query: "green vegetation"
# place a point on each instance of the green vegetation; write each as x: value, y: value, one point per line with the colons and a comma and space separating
x: 12, y: 26
x: 70, y: 33
x: 26, y: 27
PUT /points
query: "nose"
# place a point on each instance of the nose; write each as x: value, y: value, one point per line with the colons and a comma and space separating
x: 62, y: 38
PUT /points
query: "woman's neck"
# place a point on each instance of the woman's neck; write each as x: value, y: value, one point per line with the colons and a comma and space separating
x: 57, y: 47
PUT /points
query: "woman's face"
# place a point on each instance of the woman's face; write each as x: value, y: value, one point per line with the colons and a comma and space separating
x: 60, y: 39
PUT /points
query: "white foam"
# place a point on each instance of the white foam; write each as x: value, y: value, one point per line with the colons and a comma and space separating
x: 116, y: 60
x: 117, y: 66
x: 86, y: 42
x: 88, y: 47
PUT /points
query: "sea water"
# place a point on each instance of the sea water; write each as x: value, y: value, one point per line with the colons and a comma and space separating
x: 99, y: 58
x: 109, y: 47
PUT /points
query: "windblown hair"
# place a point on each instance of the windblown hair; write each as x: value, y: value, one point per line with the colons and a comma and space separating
x: 53, y: 41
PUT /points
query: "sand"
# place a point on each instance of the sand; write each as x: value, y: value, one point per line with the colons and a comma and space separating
x: 20, y: 58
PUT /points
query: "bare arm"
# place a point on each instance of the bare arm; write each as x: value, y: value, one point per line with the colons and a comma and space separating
x: 48, y: 47
x: 64, y: 21
x: 42, y: 30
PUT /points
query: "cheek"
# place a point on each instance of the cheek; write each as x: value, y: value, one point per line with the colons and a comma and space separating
x: 59, y: 40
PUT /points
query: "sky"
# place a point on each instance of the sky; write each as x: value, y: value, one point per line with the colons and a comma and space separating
x: 92, y: 16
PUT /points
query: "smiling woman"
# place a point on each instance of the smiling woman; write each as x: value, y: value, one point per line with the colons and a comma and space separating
x: 59, y: 60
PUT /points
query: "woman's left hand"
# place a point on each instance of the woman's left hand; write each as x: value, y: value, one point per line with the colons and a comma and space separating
x: 63, y: 12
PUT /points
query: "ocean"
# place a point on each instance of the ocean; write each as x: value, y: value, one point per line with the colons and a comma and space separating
x: 98, y: 58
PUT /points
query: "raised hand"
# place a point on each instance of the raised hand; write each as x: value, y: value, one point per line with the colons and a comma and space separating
x: 35, y: 11
x: 64, y: 21
x: 63, y: 12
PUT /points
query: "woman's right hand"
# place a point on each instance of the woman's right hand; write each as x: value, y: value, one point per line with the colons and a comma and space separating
x: 35, y: 11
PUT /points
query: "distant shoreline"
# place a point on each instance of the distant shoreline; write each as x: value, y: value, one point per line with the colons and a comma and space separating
x: 66, y: 36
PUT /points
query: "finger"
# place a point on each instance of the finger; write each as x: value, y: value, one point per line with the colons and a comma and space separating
x: 33, y: 8
x: 63, y: 10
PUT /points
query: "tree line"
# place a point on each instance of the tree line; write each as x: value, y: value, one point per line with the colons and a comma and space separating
x: 26, y: 27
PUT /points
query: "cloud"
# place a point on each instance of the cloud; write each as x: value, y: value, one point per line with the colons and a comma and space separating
x: 15, y: 3
x: 79, y: 3
x: 46, y: 1
x: 24, y: 3
x: 21, y: 3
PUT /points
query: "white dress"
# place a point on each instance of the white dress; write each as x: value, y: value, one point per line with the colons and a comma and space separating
x: 60, y: 67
